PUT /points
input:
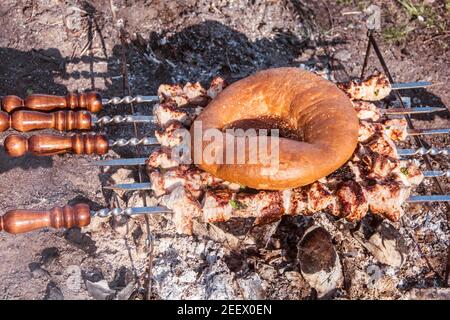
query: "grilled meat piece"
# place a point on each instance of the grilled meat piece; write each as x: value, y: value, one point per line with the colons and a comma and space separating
x: 386, y: 199
x: 409, y: 173
x: 192, y: 178
x: 185, y: 207
x: 368, y: 130
x: 216, y: 86
x: 367, y: 111
x: 374, y: 88
x: 379, y: 166
x: 196, y: 94
x: 351, y: 201
x: 217, y: 205
x: 319, y: 198
x: 162, y: 158
x: 383, y: 145
x: 173, y: 135
x: 396, y: 129
x: 192, y: 94
x: 167, y: 113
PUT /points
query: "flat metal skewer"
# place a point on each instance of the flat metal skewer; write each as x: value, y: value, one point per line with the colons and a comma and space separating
x: 79, y: 215
x: 148, y: 185
x: 415, y: 110
x: 142, y: 161
x: 120, y: 162
x: 410, y: 85
x: 421, y: 132
x: 432, y: 198
x: 90, y: 101
x: 437, y: 173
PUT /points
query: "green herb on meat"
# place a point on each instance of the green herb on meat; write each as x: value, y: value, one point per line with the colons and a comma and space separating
x: 404, y: 171
x: 235, y: 204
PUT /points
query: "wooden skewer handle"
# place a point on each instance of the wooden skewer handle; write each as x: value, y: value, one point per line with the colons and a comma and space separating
x: 24, y: 120
x: 46, y: 145
x: 90, y: 101
x: 21, y: 221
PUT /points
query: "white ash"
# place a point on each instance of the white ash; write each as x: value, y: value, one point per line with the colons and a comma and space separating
x: 189, y: 269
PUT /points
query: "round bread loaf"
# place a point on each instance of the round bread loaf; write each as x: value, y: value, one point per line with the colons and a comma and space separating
x: 318, y: 125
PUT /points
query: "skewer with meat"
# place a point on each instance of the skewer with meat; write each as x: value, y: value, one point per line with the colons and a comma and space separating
x: 191, y: 94
x: 374, y: 88
x: 350, y: 200
x: 367, y: 111
x: 192, y: 178
x: 175, y: 98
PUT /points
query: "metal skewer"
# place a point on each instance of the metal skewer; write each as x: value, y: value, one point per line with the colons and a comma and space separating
x: 422, y: 151
x: 106, y: 120
x: 93, y: 102
x: 432, y: 174
x: 148, y: 186
x: 79, y: 215
x: 25, y: 120
x: 432, y: 198
x: 21, y: 221
x: 45, y: 145
x: 419, y: 132
x: 410, y: 85
x: 142, y: 161
x: 415, y: 110
x: 90, y: 101
x: 128, y: 100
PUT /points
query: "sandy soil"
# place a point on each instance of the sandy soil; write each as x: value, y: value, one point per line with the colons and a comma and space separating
x: 52, y: 46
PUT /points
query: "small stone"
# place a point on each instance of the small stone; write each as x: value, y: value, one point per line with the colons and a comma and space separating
x: 251, y: 287
x: 122, y: 277
x: 81, y: 240
x: 343, y: 55
x: 215, y: 233
x: 126, y: 292
x: 93, y: 275
x: 319, y: 261
x: 293, y: 276
x: 37, y: 272
x: 123, y: 175
x: 48, y: 255
x: 137, y: 199
x: 267, y: 272
x: 100, y: 290
x: 386, y: 245
x: 53, y: 292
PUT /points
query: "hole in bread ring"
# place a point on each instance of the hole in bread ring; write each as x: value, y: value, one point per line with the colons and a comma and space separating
x: 322, y: 123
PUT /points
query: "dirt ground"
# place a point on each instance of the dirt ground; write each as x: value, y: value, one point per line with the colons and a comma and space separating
x: 53, y: 46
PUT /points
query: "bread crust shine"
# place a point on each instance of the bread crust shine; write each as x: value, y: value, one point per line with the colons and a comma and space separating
x: 308, y: 104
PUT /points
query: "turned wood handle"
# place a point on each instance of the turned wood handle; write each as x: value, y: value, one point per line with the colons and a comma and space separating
x: 24, y: 120
x: 90, y: 101
x: 47, y: 145
x: 20, y: 221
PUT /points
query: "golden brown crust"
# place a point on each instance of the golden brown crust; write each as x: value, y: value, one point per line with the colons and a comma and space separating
x: 309, y: 104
